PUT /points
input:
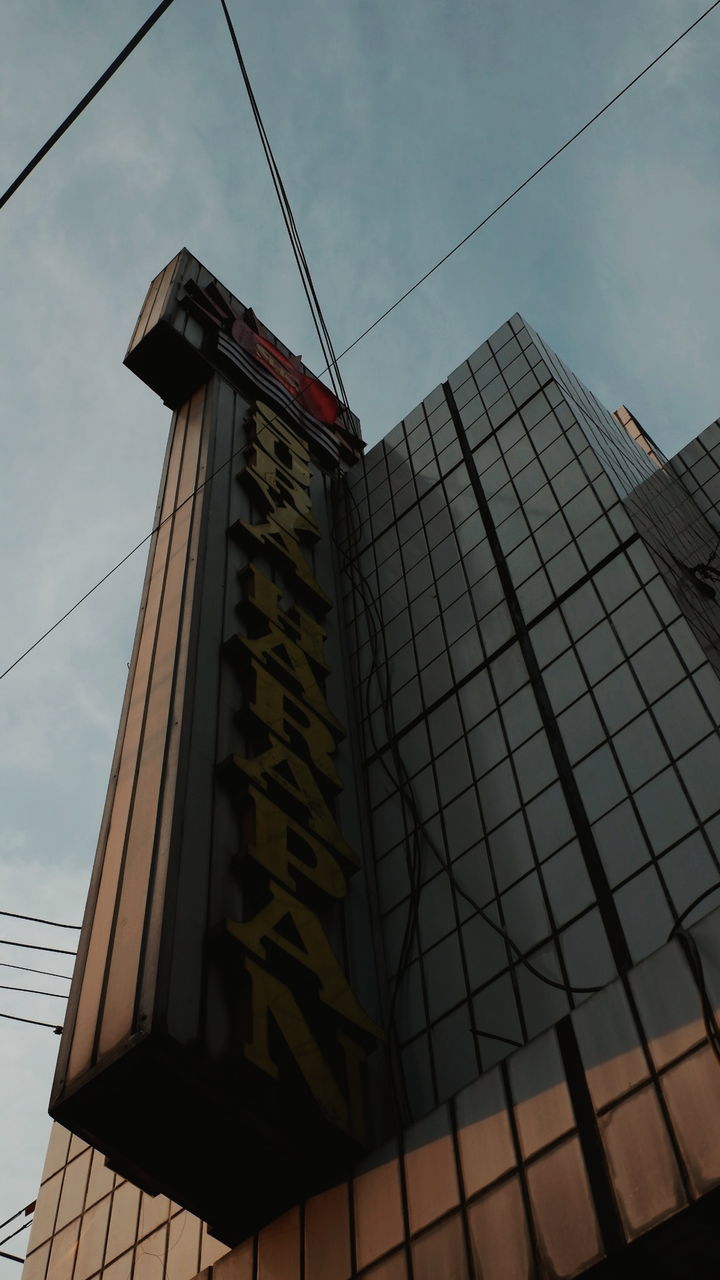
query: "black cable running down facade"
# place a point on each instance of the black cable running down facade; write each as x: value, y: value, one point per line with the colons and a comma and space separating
x: 590, y: 853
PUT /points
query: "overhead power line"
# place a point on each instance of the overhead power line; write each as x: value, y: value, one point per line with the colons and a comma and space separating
x: 32, y: 991
x: 326, y: 344
x: 46, y: 973
x: 34, y: 946
x: 29, y: 1208
x: 156, y: 528
x: 33, y: 1022
x: 84, y: 102
x: 118, y: 565
x: 526, y: 182
x: 421, y: 280
x: 12, y: 1235
x: 14, y: 915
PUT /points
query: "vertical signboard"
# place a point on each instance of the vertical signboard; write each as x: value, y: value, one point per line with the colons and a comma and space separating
x: 223, y: 1017
x: 285, y: 791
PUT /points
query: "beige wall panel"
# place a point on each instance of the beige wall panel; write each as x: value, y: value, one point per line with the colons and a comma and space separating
x: 279, y: 1249
x: 692, y: 1092
x: 379, y: 1223
x: 499, y: 1235
x: 123, y: 1220
x: 36, y: 1263
x: 183, y: 1257
x: 441, y: 1252
x: 102, y: 1179
x: 211, y: 1249
x: 57, y: 1151
x: 327, y: 1236
x: 46, y: 1208
x: 160, y: 301
x: 394, y: 1268
x: 430, y: 1172
x: 63, y: 1251
x: 72, y: 1196
x: 159, y: 749
x: 151, y: 1256
x: 156, y: 298
x: 91, y: 1245
x: 636, y: 1142
x: 93, y: 977
x: 484, y: 1133
x: 237, y: 1265
x: 154, y: 1213
x: 121, y: 1269
x: 563, y: 1211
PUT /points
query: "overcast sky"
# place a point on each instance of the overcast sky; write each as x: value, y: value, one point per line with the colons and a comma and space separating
x: 397, y: 126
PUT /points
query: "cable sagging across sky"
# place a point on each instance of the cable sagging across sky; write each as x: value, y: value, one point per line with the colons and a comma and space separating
x: 530, y: 178
x: 85, y: 101
x: 361, y: 336
x: 326, y: 344
x: 15, y: 915
x: 13, y: 1017
x: 34, y: 946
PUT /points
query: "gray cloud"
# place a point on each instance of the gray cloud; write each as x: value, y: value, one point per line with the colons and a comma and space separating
x: 397, y: 127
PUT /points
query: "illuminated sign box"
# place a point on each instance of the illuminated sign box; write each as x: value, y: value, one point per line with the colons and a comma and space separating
x: 222, y: 1028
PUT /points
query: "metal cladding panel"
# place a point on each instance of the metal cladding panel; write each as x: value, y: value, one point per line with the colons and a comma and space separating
x: 101, y: 1012
x: 158, y: 297
x: 190, y: 325
x: 225, y: 1000
x: 166, y: 347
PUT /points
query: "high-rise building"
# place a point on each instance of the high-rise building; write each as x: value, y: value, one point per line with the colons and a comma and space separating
x: 402, y: 952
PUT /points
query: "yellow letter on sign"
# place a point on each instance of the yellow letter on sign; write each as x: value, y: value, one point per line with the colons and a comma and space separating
x: 285, y: 659
x: 314, y: 953
x: 262, y: 601
x: 277, y: 768
x: 273, y: 999
x: 277, y: 538
x: 293, y: 723
x: 288, y: 852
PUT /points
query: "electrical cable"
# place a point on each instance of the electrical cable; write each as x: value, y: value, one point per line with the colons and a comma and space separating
x: 413, y: 850
x: 491, y: 1035
x: 694, y: 961
x: 413, y: 853
x: 403, y: 788
x: 12, y: 1235
x: 46, y: 973
x: 86, y: 100
x: 520, y: 956
x: 34, y: 946
x: 13, y: 1017
x: 119, y: 564
x: 12, y: 1256
x: 569, y: 141
x: 713, y: 553
x: 31, y: 991
x: 156, y: 529
x: 321, y: 328
x: 29, y: 1208
x: 14, y: 915
x: 323, y: 336
x: 334, y: 361
x: 446, y: 865
x: 715, y: 888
